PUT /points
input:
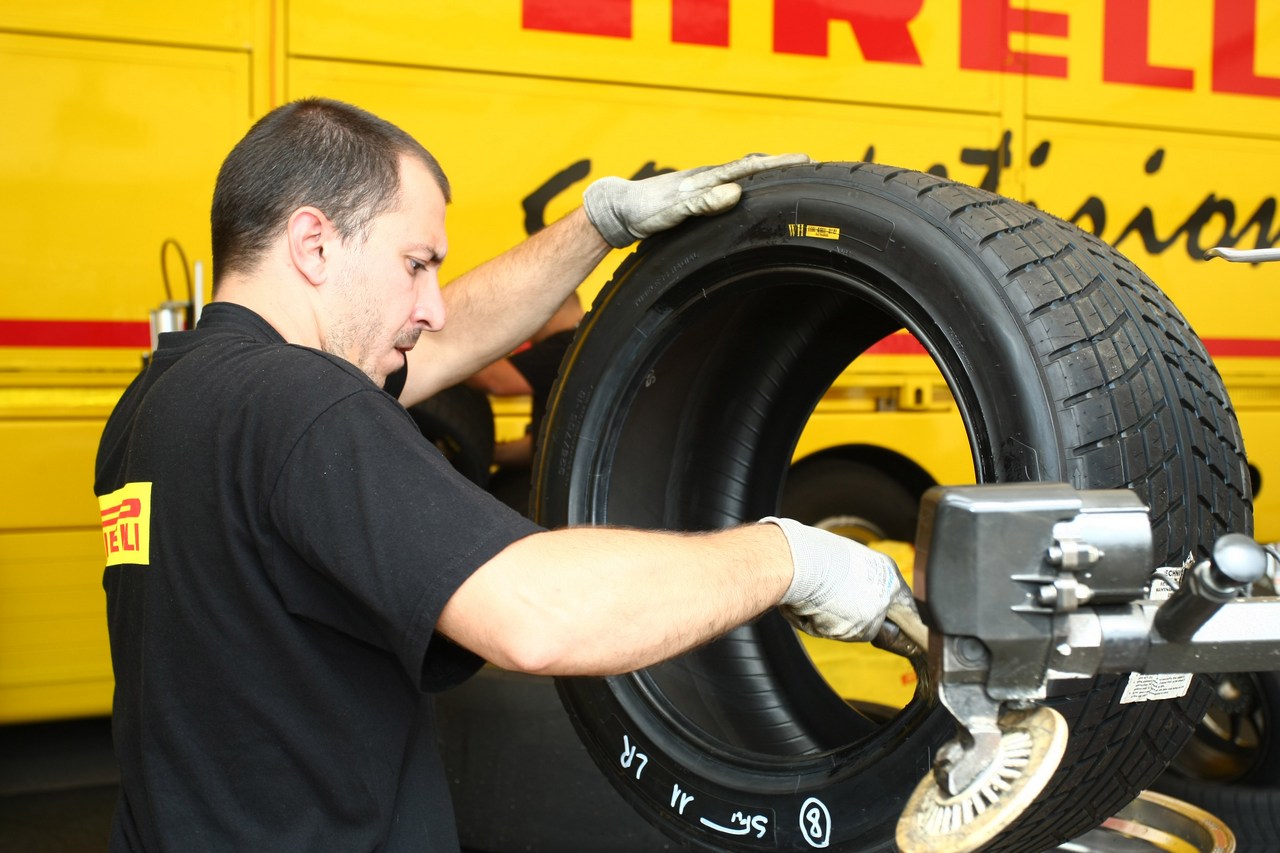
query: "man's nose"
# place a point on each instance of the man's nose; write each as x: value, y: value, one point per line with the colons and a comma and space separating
x: 430, y: 309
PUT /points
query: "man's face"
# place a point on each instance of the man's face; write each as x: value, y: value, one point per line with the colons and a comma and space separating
x: 387, y: 289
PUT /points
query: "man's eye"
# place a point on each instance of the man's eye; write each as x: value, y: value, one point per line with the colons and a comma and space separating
x: 416, y: 265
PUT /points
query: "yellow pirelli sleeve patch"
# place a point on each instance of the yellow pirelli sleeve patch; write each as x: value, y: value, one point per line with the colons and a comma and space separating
x: 126, y: 525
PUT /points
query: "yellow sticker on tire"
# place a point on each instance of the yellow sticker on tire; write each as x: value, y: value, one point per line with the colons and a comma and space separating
x: 823, y: 232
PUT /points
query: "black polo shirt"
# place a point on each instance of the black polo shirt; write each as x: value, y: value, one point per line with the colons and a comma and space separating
x: 280, y: 542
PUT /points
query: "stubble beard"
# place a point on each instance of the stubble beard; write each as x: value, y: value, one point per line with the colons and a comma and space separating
x: 353, y: 337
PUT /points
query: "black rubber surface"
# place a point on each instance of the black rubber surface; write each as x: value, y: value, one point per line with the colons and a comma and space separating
x: 521, y: 780
x: 688, y: 385
x: 1231, y: 766
x: 459, y: 421
x: 1252, y: 814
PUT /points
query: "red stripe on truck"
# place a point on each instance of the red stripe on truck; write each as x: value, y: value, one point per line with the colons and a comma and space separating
x: 127, y: 334
x: 136, y: 334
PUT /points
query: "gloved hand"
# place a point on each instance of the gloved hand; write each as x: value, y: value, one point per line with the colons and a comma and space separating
x: 625, y: 211
x: 843, y: 590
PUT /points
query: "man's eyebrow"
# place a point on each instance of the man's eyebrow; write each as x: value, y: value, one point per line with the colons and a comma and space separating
x: 427, y: 249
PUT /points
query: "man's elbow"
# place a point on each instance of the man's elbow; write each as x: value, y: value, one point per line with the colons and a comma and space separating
x: 535, y: 650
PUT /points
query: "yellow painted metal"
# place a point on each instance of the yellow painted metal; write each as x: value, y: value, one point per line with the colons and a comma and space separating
x: 1177, y: 47
x: 489, y: 37
x: 54, y: 660
x: 859, y: 673
x: 510, y: 417
x: 124, y: 110
x: 226, y: 24
x: 118, y: 117
x: 118, y: 148
x: 605, y: 129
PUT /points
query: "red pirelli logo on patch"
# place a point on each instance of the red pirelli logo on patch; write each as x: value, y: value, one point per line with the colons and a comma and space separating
x: 126, y: 525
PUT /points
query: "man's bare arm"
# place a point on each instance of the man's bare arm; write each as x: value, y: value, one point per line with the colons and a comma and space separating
x: 601, y: 601
x: 500, y: 304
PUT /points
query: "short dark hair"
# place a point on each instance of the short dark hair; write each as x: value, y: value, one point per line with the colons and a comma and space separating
x: 332, y: 156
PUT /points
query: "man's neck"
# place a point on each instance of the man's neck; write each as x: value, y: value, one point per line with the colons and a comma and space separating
x: 286, y: 306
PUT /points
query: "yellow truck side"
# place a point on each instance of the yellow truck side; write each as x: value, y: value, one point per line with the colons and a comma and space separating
x: 1155, y: 126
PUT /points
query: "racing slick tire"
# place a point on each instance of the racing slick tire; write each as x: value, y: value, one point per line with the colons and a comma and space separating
x: 459, y: 422
x: 680, y: 405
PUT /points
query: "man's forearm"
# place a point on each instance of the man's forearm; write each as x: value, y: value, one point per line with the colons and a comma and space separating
x: 500, y: 304
x: 598, y: 601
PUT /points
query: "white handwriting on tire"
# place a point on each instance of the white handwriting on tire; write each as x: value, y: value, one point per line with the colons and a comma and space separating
x: 630, y: 756
x: 815, y: 823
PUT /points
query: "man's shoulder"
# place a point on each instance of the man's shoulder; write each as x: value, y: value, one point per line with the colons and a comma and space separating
x: 303, y: 381
x: 262, y: 385
x: 237, y: 344
x: 313, y: 369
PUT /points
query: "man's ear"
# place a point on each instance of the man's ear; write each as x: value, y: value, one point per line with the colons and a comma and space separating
x: 310, y: 234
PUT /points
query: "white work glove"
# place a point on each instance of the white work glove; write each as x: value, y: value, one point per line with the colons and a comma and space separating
x: 843, y: 590
x: 625, y: 211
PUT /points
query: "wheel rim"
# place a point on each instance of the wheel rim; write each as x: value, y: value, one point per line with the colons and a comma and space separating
x: 1231, y: 740
x: 855, y: 527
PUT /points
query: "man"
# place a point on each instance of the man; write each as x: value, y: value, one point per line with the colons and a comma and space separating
x: 306, y: 568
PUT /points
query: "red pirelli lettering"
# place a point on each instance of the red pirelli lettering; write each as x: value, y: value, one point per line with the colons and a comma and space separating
x: 880, y: 26
x: 700, y: 22
x: 586, y: 17
x: 1235, y: 50
x: 122, y: 537
x: 128, y: 508
x: 1126, y: 47
x: 881, y: 29
x: 985, y: 26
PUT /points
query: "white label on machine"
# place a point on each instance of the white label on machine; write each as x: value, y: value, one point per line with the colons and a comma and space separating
x: 1162, y: 685
x: 1149, y: 688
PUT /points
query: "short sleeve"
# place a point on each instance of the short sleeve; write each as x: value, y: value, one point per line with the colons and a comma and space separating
x: 386, y: 531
